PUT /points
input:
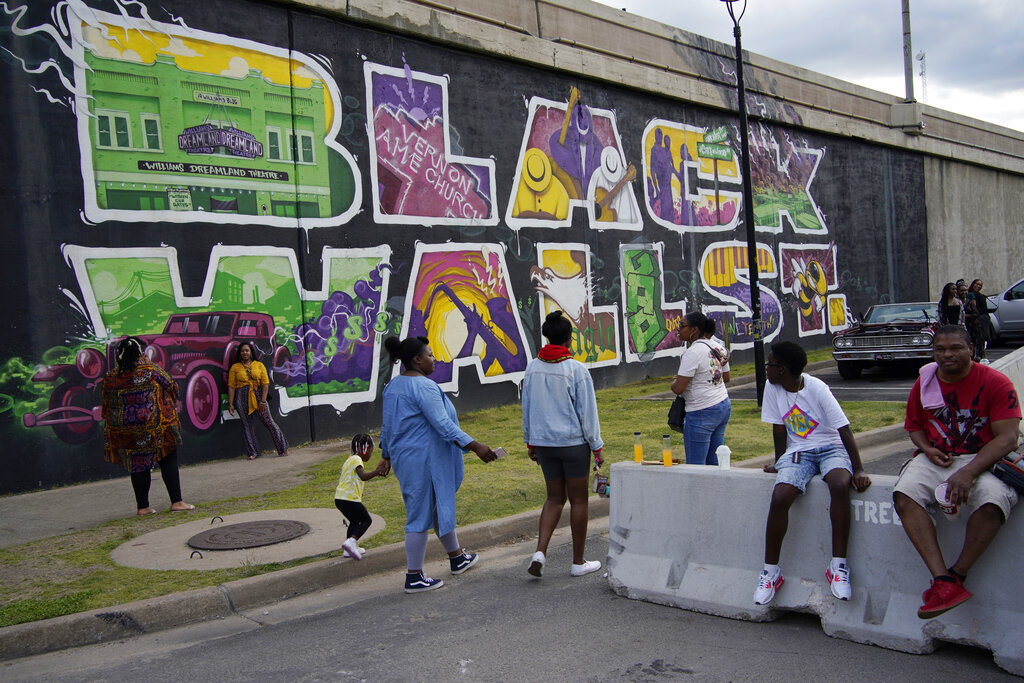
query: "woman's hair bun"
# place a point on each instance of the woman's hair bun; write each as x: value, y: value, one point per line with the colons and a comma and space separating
x: 553, y: 315
x: 392, y: 344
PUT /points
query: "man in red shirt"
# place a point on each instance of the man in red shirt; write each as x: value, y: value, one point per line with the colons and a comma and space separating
x: 963, y: 417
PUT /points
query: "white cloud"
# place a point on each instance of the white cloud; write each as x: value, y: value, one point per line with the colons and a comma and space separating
x: 237, y: 68
x: 177, y: 47
x: 303, y: 71
x: 93, y: 39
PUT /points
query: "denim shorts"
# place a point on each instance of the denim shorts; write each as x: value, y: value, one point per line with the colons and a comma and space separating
x: 823, y: 459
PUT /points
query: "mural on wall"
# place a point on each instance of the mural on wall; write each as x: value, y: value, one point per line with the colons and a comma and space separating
x: 195, y: 136
x: 251, y: 294
x: 460, y: 298
x: 417, y: 175
x: 564, y: 281
x: 809, y: 274
x: 572, y: 157
x: 692, y: 178
x: 176, y: 124
x: 781, y: 174
x: 725, y: 273
x: 651, y: 322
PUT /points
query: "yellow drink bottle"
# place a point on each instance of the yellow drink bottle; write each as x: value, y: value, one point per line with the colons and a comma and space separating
x: 638, y: 448
x: 666, y: 450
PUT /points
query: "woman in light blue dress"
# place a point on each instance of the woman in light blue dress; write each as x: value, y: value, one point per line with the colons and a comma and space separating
x: 421, y: 439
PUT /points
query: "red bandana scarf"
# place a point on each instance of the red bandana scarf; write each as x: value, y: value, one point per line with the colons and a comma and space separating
x: 552, y: 353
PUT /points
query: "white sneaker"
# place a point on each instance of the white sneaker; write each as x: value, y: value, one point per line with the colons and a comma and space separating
x: 766, y: 587
x: 352, y: 549
x: 839, y: 581
x: 985, y: 361
x: 586, y: 568
x: 537, y: 563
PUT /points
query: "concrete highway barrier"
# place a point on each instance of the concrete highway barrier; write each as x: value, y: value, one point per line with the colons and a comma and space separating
x: 691, y: 536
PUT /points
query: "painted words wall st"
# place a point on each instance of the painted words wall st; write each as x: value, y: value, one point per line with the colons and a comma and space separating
x: 313, y: 196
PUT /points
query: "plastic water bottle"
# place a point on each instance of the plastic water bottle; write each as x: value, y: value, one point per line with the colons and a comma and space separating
x: 638, y: 448
x: 666, y: 450
x: 724, y: 455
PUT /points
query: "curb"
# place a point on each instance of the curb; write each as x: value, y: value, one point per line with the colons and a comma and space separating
x: 228, y: 599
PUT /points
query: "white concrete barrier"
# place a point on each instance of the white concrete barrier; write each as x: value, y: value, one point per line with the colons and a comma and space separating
x: 1012, y: 365
x: 693, y: 537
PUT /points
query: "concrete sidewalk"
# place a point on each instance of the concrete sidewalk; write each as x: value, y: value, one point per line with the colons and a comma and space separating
x: 41, y: 514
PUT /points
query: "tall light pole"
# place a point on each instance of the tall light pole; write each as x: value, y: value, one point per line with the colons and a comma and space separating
x: 756, y: 324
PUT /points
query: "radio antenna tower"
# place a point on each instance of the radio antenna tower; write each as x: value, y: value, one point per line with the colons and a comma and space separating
x: 923, y: 73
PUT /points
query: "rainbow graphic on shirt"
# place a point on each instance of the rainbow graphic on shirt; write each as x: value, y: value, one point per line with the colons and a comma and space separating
x: 799, y: 423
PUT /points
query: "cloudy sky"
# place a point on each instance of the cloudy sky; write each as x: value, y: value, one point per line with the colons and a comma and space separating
x: 974, y: 49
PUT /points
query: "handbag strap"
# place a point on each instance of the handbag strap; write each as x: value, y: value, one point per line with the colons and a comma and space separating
x: 714, y: 352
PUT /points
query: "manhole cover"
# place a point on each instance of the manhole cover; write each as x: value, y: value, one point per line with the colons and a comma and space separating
x: 249, y: 534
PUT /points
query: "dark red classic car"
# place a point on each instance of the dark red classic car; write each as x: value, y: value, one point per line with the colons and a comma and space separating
x: 888, y: 333
x: 195, y: 349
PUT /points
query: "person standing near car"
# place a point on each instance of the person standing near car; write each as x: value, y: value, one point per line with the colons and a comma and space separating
x: 951, y: 308
x: 248, y: 386
x: 978, y: 320
x: 141, y: 428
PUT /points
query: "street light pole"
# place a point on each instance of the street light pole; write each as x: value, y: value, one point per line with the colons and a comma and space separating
x: 756, y: 325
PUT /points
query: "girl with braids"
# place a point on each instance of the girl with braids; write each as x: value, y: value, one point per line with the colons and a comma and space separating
x: 561, y: 430
x: 248, y: 386
x: 348, y: 496
x: 141, y: 427
x: 421, y: 439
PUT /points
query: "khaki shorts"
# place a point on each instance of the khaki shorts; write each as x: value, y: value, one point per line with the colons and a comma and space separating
x: 920, y: 476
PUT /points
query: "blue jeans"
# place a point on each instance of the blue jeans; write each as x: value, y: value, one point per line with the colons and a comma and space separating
x: 704, y: 432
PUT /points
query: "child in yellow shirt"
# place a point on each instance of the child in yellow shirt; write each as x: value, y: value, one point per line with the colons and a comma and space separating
x: 348, y: 496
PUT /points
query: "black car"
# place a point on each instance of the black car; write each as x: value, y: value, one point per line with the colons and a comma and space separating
x: 888, y: 333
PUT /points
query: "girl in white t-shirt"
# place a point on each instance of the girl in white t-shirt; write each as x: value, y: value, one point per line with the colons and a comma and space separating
x: 348, y: 496
x: 701, y: 382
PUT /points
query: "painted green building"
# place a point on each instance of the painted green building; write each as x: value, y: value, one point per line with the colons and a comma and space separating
x: 165, y: 139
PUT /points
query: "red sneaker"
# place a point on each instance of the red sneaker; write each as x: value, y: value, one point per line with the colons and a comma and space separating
x: 942, y: 597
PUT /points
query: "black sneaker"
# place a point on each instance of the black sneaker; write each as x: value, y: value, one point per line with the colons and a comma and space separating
x: 461, y: 563
x: 417, y: 583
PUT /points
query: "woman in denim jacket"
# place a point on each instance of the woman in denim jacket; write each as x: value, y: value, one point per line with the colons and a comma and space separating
x: 561, y: 429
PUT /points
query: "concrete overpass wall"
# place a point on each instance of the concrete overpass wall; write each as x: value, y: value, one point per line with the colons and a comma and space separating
x: 974, y: 170
x: 312, y: 177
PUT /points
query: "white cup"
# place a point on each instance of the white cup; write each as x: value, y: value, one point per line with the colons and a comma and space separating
x: 941, y: 497
x: 724, y: 455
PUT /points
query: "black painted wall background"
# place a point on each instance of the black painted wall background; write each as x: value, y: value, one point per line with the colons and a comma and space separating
x: 872, y: 198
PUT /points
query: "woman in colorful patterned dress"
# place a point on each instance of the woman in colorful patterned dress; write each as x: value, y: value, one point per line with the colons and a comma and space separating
x: 248, y: 385
x: 141, y: 427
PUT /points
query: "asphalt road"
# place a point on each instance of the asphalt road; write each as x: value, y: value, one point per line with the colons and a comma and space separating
x: 889, y: 383
x: 494, y: 623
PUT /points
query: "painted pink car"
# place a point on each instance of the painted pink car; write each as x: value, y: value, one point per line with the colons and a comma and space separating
x: 195, y: 349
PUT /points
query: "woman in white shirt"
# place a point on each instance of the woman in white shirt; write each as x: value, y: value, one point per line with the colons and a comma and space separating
x: 700, y: 380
